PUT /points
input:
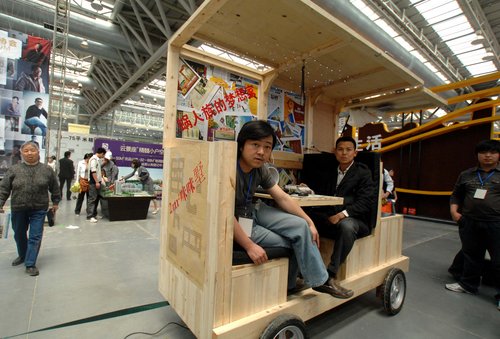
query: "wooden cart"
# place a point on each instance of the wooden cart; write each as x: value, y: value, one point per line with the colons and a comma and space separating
x: 217, y: 299
x: 214, y: 298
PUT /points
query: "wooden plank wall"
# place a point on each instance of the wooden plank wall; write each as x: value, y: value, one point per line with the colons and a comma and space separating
x: 196, y: 236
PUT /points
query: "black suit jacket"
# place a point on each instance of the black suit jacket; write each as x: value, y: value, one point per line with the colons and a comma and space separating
x: 66, y: 168
x: 358, y: 190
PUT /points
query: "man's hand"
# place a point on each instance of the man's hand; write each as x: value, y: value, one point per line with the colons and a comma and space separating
x: 55, y: 208
x: 386, y: 195
x: 314, y: 234
x: 335, y: 219
x: 456, y: 216
x: 257, y: 254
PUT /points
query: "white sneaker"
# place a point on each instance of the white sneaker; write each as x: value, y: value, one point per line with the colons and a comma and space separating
x: 93, y: 220
x: 155, y: 211
x: 455, y: 287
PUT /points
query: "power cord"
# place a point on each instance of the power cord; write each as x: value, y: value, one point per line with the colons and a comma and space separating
x: 161, y: 329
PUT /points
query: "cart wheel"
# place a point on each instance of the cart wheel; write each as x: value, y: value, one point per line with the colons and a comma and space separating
x: 394, y: 291
x: 286, y: 326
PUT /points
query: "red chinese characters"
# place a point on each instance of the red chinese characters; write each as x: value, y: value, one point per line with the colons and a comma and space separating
x: 189, y: 188
x: 219, y: 105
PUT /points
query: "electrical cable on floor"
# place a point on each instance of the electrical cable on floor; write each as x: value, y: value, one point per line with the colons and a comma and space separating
x: 161, y: 329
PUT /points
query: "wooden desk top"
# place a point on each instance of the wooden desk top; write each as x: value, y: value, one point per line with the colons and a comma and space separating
x: 310, y: 200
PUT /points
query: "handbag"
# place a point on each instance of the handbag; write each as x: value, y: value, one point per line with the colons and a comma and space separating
x: 75, y: 188
x: 84, y: 185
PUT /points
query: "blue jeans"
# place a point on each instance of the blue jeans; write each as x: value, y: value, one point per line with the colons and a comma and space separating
x: 36, y: 122
x: 275, y: 228
x: 28, y: 246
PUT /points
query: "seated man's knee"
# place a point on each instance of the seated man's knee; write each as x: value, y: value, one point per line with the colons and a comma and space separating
x: 348, y: 226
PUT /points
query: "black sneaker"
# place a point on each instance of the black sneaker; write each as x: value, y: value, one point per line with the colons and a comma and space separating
x: 17, y: 261
x: 32, y: 270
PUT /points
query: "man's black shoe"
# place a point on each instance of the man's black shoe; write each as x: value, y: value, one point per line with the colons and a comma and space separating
x: 32, y: 270
x: 334, y: 289
x: 299, y: 286
x: 17, y: 261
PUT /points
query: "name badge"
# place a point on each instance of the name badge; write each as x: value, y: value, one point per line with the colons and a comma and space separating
x: 480, y: 193
x: 246, y: 224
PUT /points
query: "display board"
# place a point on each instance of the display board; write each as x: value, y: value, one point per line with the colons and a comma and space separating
x: 24, y: 98
x: 123, y: 152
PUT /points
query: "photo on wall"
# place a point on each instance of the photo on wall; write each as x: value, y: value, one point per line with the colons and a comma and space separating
x: 34, y: 119
x: 188, y: 78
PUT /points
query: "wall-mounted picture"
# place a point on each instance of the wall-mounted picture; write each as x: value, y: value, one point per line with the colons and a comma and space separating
x: 187, y: 78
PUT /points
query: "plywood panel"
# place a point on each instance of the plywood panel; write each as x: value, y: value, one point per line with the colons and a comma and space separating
x: 196, y: 244
x: 307, y: 304
x: 337, y: 60
x: 384, y: 245
x: 258, y: 287
x: 334, y: 55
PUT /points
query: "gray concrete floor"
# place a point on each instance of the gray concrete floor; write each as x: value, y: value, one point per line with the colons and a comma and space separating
x: 110, y: 266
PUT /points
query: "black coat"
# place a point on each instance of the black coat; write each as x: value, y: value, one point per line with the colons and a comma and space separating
x: 359, y: 193
x: 66, y: 168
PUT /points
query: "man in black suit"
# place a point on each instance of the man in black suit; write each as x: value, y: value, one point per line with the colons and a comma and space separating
x: 66, y: 173
x: 346, y: 223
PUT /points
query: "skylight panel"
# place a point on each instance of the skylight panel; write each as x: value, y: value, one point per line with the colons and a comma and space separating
x: 472, y: 57
x: 455, y: 32
x: 366, y: 10
x: 419, y: 56
x: 425, y: 7
x: 482, y: 68
x: 386, y: 27
x: 454, y: 22
x: 461, y: 42
x: 442, y: 16
x: 402, y: 41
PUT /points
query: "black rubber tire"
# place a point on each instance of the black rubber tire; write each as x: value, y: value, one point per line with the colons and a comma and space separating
x: 285, y: 326
x: 394, y: 291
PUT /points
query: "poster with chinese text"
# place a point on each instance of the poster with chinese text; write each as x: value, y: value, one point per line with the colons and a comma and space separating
x: 216, y: 105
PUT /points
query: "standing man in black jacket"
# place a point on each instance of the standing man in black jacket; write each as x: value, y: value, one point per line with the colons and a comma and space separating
x: 350, y: 221
x: 66, y: 173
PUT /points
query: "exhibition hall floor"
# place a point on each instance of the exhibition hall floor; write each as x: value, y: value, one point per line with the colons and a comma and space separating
x: 101, y: 281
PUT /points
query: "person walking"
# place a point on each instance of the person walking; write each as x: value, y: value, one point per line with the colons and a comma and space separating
x: 82, y: 175
x: 66, y: 173
x: 52, y: 162
x: 28, y: 184
x: 95, y: 181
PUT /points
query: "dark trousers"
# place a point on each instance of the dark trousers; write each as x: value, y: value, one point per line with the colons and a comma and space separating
x: 344, y: 233
x: 92, y: 201
x: 457, y: 266
x: 79, y: 201
x: 477, y: 237
x: 68, y: 186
